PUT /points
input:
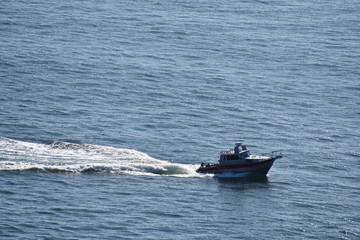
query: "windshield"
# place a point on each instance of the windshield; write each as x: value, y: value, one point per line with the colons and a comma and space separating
x: 245, y: 154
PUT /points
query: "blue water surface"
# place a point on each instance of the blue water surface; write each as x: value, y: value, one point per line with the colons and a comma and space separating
x: 107, y: 109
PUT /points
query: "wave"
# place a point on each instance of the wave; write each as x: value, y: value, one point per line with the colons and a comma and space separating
x: 65, y: 157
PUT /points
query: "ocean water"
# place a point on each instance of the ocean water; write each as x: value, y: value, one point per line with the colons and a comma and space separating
x: 108, y: 107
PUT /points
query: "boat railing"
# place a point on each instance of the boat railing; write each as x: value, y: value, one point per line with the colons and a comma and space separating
x: 229, y: 152
x: 276, y: 154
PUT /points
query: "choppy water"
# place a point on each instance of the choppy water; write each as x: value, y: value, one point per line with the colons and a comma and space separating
x: 107, y: 108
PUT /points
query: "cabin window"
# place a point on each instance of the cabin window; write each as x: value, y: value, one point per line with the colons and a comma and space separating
x: 232, y: 157
x: 245, y: 155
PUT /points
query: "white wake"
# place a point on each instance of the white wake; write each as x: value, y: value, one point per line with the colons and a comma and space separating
x: 84, y: 158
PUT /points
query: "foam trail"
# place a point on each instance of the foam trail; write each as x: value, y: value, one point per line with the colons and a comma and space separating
x: 84, y: 158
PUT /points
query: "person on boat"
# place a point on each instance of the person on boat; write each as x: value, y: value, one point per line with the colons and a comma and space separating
x: 236, y: 149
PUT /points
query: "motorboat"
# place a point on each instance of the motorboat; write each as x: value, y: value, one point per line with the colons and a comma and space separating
x: 240, y: 160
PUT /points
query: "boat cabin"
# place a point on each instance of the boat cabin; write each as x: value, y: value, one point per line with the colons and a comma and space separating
x: 235, y: 154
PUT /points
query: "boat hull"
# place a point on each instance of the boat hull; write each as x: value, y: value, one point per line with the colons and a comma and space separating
x: 262, y: 168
